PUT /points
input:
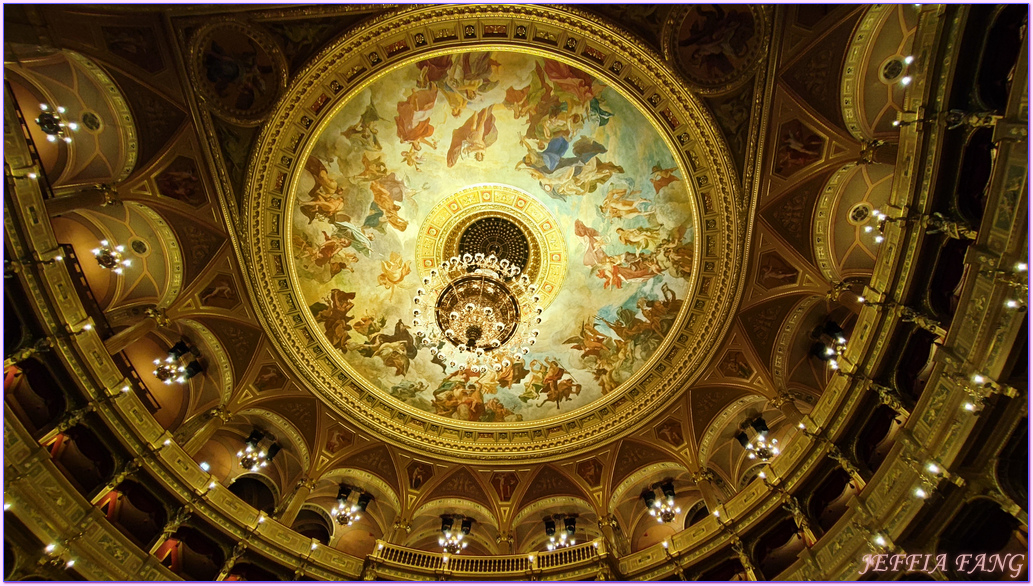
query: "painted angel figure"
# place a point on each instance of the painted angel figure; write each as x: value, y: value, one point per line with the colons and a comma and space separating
x: 393, y: 272
x: 474, y: 136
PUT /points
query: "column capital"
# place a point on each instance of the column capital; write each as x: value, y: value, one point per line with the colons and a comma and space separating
x: 704, y: 475
x: 159, y: 315
x: 782, y: 398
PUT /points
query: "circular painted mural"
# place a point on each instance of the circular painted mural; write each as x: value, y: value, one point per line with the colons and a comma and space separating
x: 503, y: 150
x: 715, y: 45
x: 236, y: 71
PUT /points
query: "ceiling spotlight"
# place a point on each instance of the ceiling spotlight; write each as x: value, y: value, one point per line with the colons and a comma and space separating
x: 909, y: 60
x: 905, y: 80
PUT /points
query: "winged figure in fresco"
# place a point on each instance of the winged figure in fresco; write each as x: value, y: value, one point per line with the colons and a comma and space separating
x: 321, y: 206
x: 393, y: 272
x: 333, y: 314
x: 325, y: 184
x: 396, y: 350
x: 433, y: 71
x: 674, y: 255
x: 494, y: 410
x: 660, y: 313
x: 661, y: 177
x: 588, y: 340
x: 474, y: 136
x: 407, y: 390
x: 618, y: 205
x: 364, y: 131
x: 372, y: 168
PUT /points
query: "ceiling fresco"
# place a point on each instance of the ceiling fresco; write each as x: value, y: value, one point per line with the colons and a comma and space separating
x: 504, y: 134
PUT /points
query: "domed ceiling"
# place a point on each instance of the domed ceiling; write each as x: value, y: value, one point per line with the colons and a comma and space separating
x: 436, y: 143
x: 611, y: 194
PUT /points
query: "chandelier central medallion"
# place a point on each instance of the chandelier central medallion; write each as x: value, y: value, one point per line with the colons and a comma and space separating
x: 481, y: 305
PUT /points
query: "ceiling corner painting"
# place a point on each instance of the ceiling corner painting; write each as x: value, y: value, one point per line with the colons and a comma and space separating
x: 502, y: 152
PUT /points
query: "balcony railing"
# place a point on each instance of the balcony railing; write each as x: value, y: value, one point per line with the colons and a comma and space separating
x: 589, y: 557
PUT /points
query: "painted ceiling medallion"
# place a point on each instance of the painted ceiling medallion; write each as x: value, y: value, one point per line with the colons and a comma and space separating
x: 715, y: 45
x: 568, y: 177
x: 237, y: 70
